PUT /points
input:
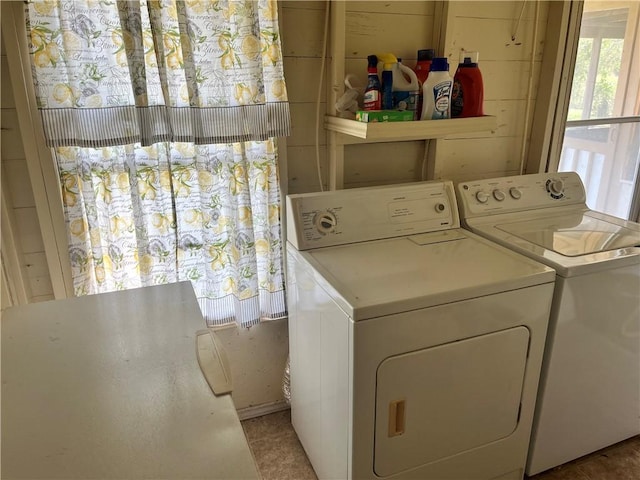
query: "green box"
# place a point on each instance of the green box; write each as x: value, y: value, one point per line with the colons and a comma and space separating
x: 369, y: 116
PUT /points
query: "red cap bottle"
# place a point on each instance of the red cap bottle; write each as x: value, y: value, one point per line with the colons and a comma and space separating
x: 468, y: 90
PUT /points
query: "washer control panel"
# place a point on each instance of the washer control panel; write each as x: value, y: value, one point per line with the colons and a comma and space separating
x: 520, y: 192
x: 361, y: 214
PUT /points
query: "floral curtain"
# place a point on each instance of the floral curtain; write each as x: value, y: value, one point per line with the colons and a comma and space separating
x: 161, y: 115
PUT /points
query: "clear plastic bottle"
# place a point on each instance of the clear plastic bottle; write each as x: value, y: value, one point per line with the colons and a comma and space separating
x: 436, y: 91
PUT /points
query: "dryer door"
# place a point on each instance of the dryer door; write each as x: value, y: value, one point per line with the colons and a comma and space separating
x: 444, y: 400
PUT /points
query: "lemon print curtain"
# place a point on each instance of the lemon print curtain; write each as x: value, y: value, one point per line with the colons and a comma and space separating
x: 112, y: 72
x: 161, y: 116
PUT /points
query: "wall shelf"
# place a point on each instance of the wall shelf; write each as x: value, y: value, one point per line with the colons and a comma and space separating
x: 360, y: 132
x: 341, y: 131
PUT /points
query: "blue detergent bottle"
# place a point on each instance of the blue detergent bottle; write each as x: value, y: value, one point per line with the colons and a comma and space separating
x: 388, y: 62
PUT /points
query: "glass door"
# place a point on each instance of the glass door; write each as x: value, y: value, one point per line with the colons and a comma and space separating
x: 602, y: 134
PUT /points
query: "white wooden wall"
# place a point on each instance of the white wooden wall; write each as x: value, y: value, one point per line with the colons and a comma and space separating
x: 301, y: 26
x: 18, y: 195
x: 403, y: 28
x: 487, y: 27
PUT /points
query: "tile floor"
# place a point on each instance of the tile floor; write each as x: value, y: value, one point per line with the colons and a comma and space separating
x: 276, y: 448
x: 280, y: 456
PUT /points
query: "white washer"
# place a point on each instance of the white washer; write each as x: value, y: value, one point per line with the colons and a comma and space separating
x: 590, y: 385
x: 415, y: 345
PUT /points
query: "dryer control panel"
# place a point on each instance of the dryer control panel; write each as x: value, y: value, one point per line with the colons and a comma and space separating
x: 519, y: 193
x: 325, y: 219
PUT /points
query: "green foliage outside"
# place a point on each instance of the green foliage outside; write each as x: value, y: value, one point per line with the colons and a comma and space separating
x: 606, y: 81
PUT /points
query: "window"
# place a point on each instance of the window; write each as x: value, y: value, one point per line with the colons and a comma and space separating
x: 602, y: 135
x: 161, y: 117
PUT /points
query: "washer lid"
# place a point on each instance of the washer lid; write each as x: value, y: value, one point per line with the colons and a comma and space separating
x: 574, y: 234
x: 383, y: 277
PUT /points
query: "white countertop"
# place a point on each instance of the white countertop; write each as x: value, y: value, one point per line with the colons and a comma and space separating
x: 109, y: 386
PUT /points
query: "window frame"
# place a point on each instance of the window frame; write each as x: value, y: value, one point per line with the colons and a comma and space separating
x: 40, y: 164
x: 552, y: 104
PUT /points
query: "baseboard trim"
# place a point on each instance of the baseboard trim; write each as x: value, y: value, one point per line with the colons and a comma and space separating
x: 262, y: 409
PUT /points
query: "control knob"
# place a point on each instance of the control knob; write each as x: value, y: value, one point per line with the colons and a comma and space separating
x: 555, y: 187
x: 515, y: 193
x: 499, y: 195
x: 482, y: 197
x: 325, y: 222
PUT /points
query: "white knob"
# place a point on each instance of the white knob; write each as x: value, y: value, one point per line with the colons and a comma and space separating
x: 499, y: 195
x: 515, y: 193
x: 556, y: 186
x: 326, y: 222
x: 440, y: 207
x: 482, y: 197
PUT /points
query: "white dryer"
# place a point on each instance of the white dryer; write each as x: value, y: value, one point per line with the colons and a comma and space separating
x: 415, y: 345
x: 590, y: 384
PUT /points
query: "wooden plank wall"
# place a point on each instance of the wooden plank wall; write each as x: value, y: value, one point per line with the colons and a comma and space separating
x: 488, y: 27
x: 19, y: 196
x: 302, y: 24
x: 403, y: 28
